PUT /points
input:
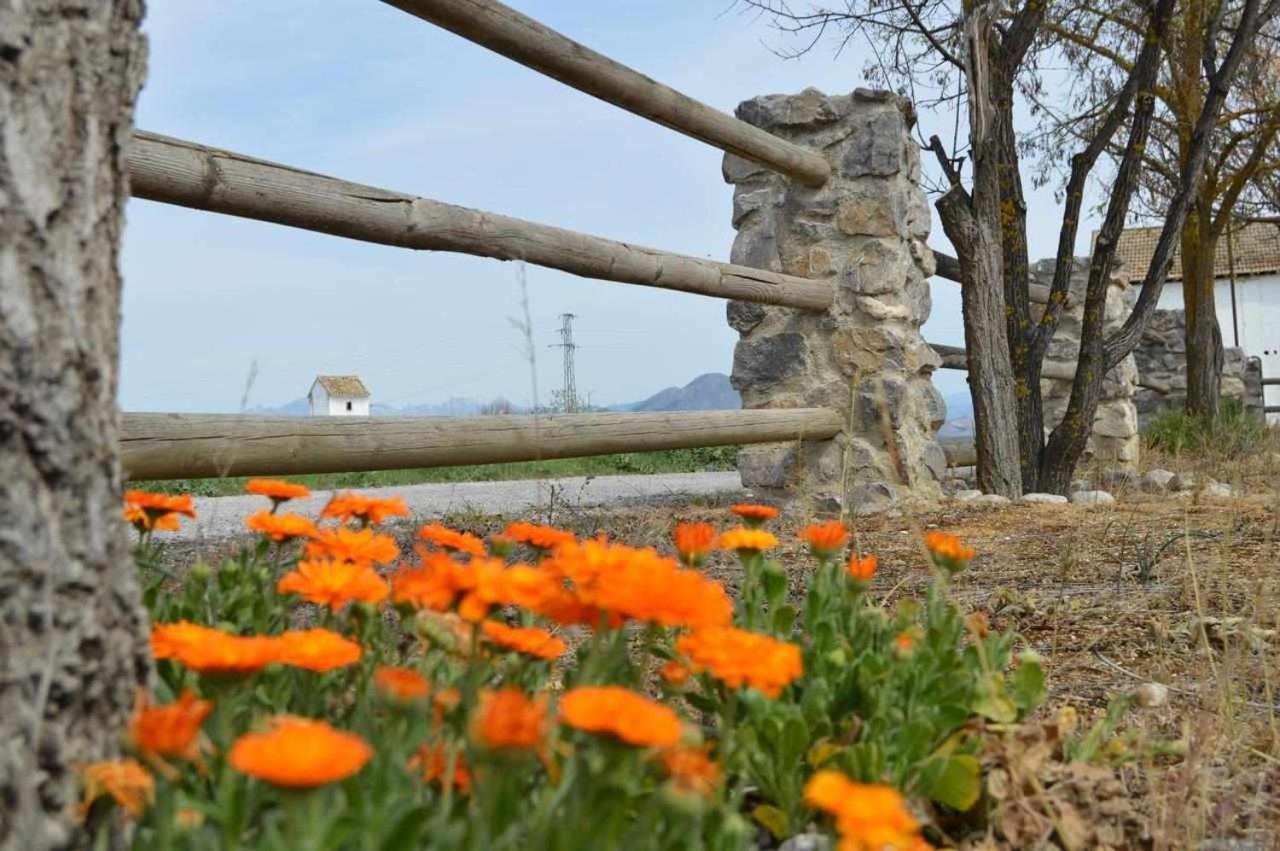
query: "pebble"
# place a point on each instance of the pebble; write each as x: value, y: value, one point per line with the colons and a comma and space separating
x: 1047, y: 498
x: 1092, y: 498
x: 966, y: 495
x: 1151, y: 695
x: 989, y: 499
x: 1156, y: 481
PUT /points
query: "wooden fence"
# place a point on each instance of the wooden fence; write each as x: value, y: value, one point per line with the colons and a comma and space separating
x: 173, y: 171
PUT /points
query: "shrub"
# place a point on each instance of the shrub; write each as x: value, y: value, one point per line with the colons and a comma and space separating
x: 593, y: 695
x: 1236, y: 433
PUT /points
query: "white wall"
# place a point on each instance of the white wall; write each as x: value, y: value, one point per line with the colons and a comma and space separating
x: 344, y: 406
x: 319, y: 400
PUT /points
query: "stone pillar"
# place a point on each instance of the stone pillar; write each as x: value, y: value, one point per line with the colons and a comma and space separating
x: 1115, y: 438
x: 864, y: 230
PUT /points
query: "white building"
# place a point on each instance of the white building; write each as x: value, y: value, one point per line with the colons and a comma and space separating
x: 1248, y: 307
x: 338, y: 396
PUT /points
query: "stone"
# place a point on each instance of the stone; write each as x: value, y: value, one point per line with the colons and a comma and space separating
x: 1151, y: 695
x: 871, y: 209
x: 872, y: 498
x: 807, y: 842
x: 1117, y: 479
x: 1183, y: 482
x: 966, y: 495
x: 935, y: 459
x: 1155, y: 481
x: 757, y: 248
x: 745, y: 203
x: 1092, y: 498
x: 1079, y: 485
x: 881, y: 310
x: 809, y: 107
x: 876, y: 266
x: 864, y: 350
x: 744, y: 315
x: 988, y: 499
x: 766, y: 465
x: 736, y: 169
x: 1044, y: 498
x: 1218, y: 489
x: 768, y: 360
x: 876, y: 144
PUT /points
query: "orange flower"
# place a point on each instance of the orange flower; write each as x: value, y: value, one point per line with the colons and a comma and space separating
x: 692, y: 770
x: 172, y: 730
x: 737, y: 658
x: 430, y: 585
x: 527, y: 640
x: 364, y: 546
x: 754, y: 515
x: 348, y: 506
x: 454, y: 541
x: 299, y: 753
x: 675, y: 673
x: 747, y: 540
x: 156, y: 504
x: 539, y: 537
x: 640, y: 584
x: 144, y: 522
x: 211, y: 651
x: 825, y: 539
x: 276, y: 490
x: 316, y: 650
x: 433, y: 761
x: 334, y: 583
x: 869, y: 817
x: 125, y: 780
x: 401, y: 685
x: 862, y: 569
x: 508, y: 719
x: 545, y: 593
x: 948, y: 552
x: 281, y: 527
x: 621, y: 713
x: 694, y: 541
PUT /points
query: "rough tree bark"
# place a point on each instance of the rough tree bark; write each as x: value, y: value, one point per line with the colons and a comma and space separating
x: 73, y: 648
x: 1205, y: 355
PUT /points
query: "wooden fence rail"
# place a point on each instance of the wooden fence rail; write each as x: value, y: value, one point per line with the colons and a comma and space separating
x: 948, y: 268
x: 191, y: 175
x: 953, y: 357
x: 516, y: 36
x: 181, y: 446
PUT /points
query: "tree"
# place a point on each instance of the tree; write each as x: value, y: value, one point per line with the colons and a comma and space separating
x: 987, y: 56
x: 1242, y: 159
x: 73, y: 630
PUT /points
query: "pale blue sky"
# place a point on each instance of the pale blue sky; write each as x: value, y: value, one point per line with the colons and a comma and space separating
x: 359, y: 90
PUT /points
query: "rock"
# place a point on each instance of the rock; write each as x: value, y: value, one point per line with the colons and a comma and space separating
x: 989, y: 499
x: 1117, y: 479
x: 1156, y: 481
x: 806, y: 842
x: 768, y: 360
x: 744, y: 315
x: 876, y: 144
x: 809, y: 107
x: 1092, y: 498
x: 1152, y: 695
x: 966, y: 495
x: 1218, y: 489
x: 872, y: 498
x: 767, y: 466
x: 1046, y: 498
x: 1189, y: 482
x: 1079, y: 485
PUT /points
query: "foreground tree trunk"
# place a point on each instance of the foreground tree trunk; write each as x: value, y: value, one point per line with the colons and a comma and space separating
x: 73, y: 645
x: 1203, y: 334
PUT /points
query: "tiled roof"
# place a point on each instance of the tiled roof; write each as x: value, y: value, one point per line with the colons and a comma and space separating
x: 1256, y: 249
x: 349, y: 386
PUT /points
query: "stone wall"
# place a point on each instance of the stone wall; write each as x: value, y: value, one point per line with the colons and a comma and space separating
x: 1115, y: 426
x: 866, y: 230
x: 1162, y: 358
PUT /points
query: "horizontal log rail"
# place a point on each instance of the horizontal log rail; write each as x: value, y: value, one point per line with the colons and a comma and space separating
x: 515, y: 36
x: 954, y: 357
x: 1271, y: 382
x: 183, y: 446
x: 948, y: 268
x: 960, y: 453
x: 174, y: 171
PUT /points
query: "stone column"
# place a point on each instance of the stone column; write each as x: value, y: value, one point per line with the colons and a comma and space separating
x: 1115, y: 426
x: 865, y: 231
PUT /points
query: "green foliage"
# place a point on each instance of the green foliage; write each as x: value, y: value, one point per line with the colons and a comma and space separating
x: 1236, y: 433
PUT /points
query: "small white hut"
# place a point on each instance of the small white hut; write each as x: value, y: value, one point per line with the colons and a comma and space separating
x: 338, y: 396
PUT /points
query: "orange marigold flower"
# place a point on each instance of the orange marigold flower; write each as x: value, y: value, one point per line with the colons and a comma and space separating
x: 737, y: 658
x: 621, y: 713
x: 904, y: 644
x: 281, y: 527
x: 432, y: 762
x: 530, y: 641
x: 316, y: 650
x: 539, y: 537
x: 157, y: 504
x: 748, y: 540
x: 545, y: 593
x: 452, y: 540
x: 144, y: 522
x: 869, y: 817
x: 277, y: 490
x: 694, y: 541
x: 401, y: 685
x: 370, y: 510
x: 862, y: 569
x: 334, y: 583
x: 299, y: 753
x: 948, y: 551
x: 363, y: 546
x: 211, y: 651
x: 171, y: 730
x: 675, y: 673
x: 506, y: 718
x: 825, y: 539
x: 430, y: 585
x: 754, y: 515
x: 692, y: 770
x: 125, y: 780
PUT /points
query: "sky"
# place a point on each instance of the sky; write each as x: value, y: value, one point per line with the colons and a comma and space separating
x: 221, y: 312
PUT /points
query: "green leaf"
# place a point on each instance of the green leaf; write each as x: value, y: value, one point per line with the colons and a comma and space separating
x: 995, y: 704
x: 406, y: 833
x: 1027, y: 685
x: 822, y: 750
x: 775, y: 584
x: 957, y: 784
x: 783, y: 619
x: 773, y: 820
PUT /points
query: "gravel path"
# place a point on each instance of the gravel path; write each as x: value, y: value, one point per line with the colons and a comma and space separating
x: 223, y: 516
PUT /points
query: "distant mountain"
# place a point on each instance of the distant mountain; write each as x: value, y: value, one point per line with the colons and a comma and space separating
x: 708, y: 392
x: 959, y: 416
x: 296, y: 408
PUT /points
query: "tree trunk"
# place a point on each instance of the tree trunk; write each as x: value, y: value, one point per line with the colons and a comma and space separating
x: 74, y: 633
x: 1203, y: 335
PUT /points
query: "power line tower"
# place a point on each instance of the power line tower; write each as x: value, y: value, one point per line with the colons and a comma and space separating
x: 567, y: 346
